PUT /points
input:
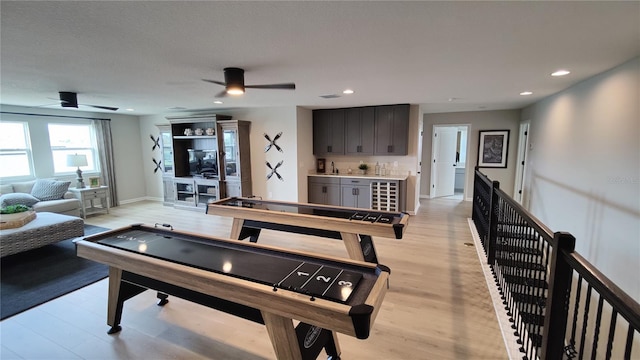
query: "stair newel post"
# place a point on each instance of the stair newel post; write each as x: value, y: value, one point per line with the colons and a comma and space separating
x: 493, y: 223
x: 474, y: 217
x: 555, y: 320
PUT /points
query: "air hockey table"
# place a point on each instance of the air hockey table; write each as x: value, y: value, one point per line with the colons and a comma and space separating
x: 354, y: 226
x: 264, y: 284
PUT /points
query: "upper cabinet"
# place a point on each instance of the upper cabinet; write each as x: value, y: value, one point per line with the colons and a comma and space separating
x: 392, y: 130
x: 371, y: 130
x: 328, y: 132
x: 359, y: 128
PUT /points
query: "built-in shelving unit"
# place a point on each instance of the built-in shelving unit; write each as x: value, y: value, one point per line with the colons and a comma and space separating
x: 227, y: 141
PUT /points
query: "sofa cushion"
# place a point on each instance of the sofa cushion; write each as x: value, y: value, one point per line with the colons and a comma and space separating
x: 23, y: 187
x: 6, y: 189
x: 45, y: 189
x: 17, y: 199
x: 57, y: 206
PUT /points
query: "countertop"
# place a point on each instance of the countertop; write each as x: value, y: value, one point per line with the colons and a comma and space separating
x: 358, y: 176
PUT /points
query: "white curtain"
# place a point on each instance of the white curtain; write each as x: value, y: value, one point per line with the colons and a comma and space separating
x: 105, y: 150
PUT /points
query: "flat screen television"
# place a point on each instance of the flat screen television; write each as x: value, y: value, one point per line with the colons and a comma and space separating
x: 203, y: 162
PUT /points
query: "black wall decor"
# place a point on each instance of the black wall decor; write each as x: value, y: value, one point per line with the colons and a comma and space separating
x: 156, y: 142
x: 272, y: 143
x: 158, y: 165
x: 274, y: 170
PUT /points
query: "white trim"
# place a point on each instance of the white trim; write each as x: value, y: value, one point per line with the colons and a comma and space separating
x: 510, y: 340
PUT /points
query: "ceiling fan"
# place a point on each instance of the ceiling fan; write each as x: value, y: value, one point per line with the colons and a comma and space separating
x: 70, y: 100
x: 234, y: 83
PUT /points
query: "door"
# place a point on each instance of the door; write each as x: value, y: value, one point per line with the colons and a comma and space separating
x: 523, y: 144
x: 419, y: 162
x: 443, y: 172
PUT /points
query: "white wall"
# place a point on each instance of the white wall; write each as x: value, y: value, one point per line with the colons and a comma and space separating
x: 130, y: 180
x: 584, y: 170
x: 479, y: 120
x: 306, y: 160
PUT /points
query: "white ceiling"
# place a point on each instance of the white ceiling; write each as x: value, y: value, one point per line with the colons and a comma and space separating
x: 152, y: 55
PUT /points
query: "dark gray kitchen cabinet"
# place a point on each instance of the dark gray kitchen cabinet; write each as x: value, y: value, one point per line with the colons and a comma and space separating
x: 356, y: 193
x: 324, y: 190
x: 391, y: 130
x: 359, y: 126
x: 328, y: 132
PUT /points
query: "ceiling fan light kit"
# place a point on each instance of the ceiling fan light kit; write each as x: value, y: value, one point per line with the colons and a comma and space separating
x: 234, y: 83
x: 69, y: 99
x: 234, y: 78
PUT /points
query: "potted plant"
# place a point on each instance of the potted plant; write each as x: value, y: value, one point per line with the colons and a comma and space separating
x: 15, y: 216
x: 363, y: 168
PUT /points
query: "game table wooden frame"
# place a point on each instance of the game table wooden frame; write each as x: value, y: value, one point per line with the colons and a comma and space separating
x: 135, y: 266
x: 354, y: 226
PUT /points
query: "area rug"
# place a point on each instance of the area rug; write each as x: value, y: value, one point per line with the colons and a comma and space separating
x: 36, y: 276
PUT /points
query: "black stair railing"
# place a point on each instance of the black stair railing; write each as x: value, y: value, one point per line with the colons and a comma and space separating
x: 559, y: 305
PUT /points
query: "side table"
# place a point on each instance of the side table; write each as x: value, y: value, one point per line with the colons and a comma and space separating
x: 89, y: 195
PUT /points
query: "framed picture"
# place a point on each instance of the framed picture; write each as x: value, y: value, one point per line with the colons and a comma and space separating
x: 94, y: 182
x: 320, y: 166
x: 493, y: 149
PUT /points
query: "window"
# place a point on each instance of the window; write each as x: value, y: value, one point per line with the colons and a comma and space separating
x: 70, y: 139
x: 15, y: 150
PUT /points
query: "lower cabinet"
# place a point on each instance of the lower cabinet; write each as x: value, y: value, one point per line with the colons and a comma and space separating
x: 324, y: 191
x: 356, y: 193
x: 377, y: 194
x: 168, y: 191
x: 190, y: 193
x: 237, y: 189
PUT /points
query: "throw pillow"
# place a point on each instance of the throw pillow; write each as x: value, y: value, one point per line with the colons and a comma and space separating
x: 6, y: 189
x: 17, y: 199
x: 45, y: 189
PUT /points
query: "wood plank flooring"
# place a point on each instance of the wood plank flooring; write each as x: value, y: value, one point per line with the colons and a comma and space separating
x: 438, y: 305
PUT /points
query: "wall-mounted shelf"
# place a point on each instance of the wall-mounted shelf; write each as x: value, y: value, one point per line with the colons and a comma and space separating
x: 193, y: 137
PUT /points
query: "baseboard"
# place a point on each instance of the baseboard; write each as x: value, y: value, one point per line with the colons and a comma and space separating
x: 135, y: 200
x: 510, y: 340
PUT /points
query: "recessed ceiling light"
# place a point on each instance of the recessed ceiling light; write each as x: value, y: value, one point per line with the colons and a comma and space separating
x: 130, y: 109
x: 524, y: 93
x: 561, y: 73
x: 217, y: 102
x: 348, y: 91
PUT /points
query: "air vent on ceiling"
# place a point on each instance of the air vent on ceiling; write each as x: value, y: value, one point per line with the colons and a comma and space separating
x: 331, y: 96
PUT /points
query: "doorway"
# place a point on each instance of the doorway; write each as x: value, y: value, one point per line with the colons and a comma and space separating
x: 449, y: 164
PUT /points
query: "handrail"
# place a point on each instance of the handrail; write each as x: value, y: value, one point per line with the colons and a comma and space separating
x: 534, y: 268
x: 624, y: 304
x: 532, y: 220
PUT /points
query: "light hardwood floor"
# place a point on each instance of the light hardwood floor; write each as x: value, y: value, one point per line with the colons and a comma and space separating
x: 437, y: 307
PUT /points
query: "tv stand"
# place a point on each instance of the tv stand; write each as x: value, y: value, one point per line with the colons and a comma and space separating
x: 229, y: 138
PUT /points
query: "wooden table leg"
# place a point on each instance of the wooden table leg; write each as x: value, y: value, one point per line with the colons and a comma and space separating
x: 114, y: 307
x: 352, y: 242
x: 236, y: 228
x: 283, y: 336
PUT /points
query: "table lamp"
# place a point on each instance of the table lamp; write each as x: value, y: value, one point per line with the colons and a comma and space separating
x: 77, y: 160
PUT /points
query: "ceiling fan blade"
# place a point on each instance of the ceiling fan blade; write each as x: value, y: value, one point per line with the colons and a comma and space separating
x: 215, y: 82
x: 286, y: 86
x: 103, y: 107
x: 221, y: 94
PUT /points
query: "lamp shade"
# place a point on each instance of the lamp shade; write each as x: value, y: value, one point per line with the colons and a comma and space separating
x: 77, y: 160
